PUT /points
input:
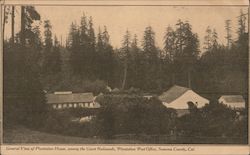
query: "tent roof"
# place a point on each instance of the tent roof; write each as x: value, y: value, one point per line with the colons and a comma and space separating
x: 173, y: 93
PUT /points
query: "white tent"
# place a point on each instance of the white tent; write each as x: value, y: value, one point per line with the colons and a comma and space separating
x: 177, y: 97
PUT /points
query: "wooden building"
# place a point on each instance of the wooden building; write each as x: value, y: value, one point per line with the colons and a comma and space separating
x: 62, y: 100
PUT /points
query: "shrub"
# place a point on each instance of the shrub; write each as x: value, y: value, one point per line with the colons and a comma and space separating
x: 133, y: 114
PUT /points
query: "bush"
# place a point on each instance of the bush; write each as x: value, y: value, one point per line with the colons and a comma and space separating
x: 60, y: 122
x: 213, y: 120
x: 133, y: 114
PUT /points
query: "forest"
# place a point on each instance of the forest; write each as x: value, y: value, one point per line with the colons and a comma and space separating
x: 36, y: 63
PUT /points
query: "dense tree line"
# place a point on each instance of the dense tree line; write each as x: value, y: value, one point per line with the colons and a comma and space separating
x: 150, y: 68
x: 27, y: 58
x: 89, y: 58
x: 24, y: 100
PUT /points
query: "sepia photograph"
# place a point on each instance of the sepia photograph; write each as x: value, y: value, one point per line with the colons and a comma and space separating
x: 125, y: 74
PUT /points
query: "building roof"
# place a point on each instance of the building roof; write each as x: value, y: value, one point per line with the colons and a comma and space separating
x: 173, y: 93
x: 69, y: 98
x: 233, y: 98
x: 234, y: 101
x: 115, y: 90
x: 63, y: 92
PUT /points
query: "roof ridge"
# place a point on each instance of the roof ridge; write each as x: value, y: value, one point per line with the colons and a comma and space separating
x: 172, y: 93
x: 181, y: 86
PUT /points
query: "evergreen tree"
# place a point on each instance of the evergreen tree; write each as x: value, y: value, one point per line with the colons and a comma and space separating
x: 169, y: 43
x: 55, y: 57
x: 208, y: 39
x: 150, y: 59
x: 126, y: 47
x: 215, y: 43
x: 92, y: 49
x: 82, y: 46
x: 182, y: 46
x: 91, y: 34
x: 136, y: 68
x: 28, y: 16
x: 99, y: 45
x: 84, y: 29
x: 36, y: 40
x: 48, y: 42
x: 75, y: 48
x: 211, y: 38
x: 229, y: 33
x: 104, y: 56
x: 242, y: 24
x: 24, y: 100
x: 99, y: 54
x: 108, y: 57
x: 148, y: 44
x: 105, y: 37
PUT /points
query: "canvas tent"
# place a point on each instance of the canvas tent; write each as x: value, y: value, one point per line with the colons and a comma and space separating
x: 177, y: 97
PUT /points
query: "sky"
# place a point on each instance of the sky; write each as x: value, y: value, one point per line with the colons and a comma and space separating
x: 136, y: 18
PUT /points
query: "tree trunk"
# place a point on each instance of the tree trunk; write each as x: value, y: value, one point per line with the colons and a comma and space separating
x: 4, y: 19
x: 22, y: 36
x: 13, y: 24
x: 125, y: 75
x: 189, y: 79
x: 173, y: 78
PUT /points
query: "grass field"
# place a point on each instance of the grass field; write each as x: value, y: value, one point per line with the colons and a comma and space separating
x: 22, y: 135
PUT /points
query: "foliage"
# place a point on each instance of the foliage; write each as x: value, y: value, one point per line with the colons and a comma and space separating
x: 60, y: 122
x: 89, y: 59
x: 51, y: 62
x: 213, y: 120
x: 132, y: 114
x: 24, y: 100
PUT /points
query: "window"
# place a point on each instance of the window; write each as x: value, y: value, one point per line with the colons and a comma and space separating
x: 59, y: 106
x: 75, y: 105
x: 54, y: 106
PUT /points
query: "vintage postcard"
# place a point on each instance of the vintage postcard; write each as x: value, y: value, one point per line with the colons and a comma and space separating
x: 124, y: 77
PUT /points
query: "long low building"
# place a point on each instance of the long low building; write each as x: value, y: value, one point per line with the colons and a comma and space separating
x: 62, y: 100
x: 233, y: 101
